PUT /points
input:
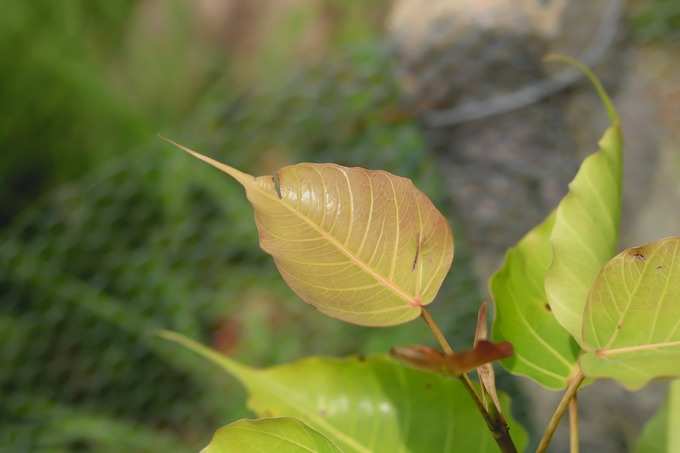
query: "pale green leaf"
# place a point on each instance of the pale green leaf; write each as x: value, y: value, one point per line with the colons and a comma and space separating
x: 586, y: 229
x: 276, y: 435
x: 631, y: 324
x: 662, y: 432
x: 543, y: 349
x: 363, y: 246
x: 541, y: 288
x: 371, y: 405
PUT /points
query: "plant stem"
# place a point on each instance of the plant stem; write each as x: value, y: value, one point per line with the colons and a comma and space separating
x: 497, y: 425
x: 573, y: 424
x: 569, y: 394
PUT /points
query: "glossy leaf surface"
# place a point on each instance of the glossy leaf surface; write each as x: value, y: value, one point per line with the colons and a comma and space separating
x: 586, y: 229
x: 367, y: 405
x: 277, y: 435
x: 661, y: 434
x: 631, y: 325
x: 544, y: 350
x: 363, y: 246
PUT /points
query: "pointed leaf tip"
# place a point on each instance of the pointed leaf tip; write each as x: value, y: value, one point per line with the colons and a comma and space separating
x: 238, y: 175
x: 601, y: 92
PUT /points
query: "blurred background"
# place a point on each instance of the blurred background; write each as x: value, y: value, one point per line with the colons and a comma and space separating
x: 108, y: 234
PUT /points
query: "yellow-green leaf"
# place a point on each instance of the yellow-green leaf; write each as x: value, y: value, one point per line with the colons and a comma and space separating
x: 368, y: 405
x: 586, y: 229
x: 541, y: 288
x: 360, y: 245
x: 631, y: 324
x: 276, y: 435
x: 661, y: 433
x: 544, y: 350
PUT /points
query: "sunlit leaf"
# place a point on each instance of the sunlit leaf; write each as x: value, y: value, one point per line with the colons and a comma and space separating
x: 276, y: 435
x: 544, y: 350
x: 631, y: 325
x: 661, y: 434
x: 541, y: 288
x: 586, y: 229
x: 363, y: 246
x: 367, y: 405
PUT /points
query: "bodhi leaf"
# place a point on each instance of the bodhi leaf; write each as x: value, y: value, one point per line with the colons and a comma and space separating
x: 541, y: 288
x: 586, y: 229
x: 367, y: 405
x: 363, y: 246
x: 544, y: 350
x: 661, y: 434
x: 280, y: 435
x: 631, y: 325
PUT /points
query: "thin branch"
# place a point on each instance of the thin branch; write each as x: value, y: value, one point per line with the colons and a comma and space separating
x: 569, y: 394
x: 573, y: 425
x: 497, y: 425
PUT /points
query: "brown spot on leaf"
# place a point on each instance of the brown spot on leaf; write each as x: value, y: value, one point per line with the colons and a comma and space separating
x: 277, y: 184
x: 638, y: 253
x: 547, y: 307
x: 415, y: 259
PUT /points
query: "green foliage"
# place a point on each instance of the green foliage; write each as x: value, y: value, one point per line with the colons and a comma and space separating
x: 283, y: 435
x: 661, y: 434
x: 366, y: 404
x: 631, y: 327
x: 542, y: 287
x: 658, y: 20
x: 586, y: 229
x: 544, y: 350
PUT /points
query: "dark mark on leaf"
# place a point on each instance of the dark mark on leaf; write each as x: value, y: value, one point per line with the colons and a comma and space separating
x: 415, y: 259
x: 277, y: 185
x: 547, y: 307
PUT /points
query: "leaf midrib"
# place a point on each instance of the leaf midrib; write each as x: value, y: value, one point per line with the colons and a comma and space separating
x: 325, y: 235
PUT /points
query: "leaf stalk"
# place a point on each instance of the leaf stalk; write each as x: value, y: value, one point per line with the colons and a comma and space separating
x: 562, y: 407
x: 496, y: 424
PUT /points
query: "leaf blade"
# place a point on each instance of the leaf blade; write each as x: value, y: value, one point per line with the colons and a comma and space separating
x: 282, y: 434
x: 660, y: 434
x: 367, y: 405
x: 631, y: 325
x: 585, y: 232
x: 363, y: 246
x: 544, y: 350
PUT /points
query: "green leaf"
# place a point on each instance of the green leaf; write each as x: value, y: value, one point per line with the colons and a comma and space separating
x: 367, y: 404
x: 631, y: 324
x: 586, y: 229
x: 541, y: 288
x: 661, y: 434
x: 544, y: 350
x: 360, y: 245
x: 280, y: 435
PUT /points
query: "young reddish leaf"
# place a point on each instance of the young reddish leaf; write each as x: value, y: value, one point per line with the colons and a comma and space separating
x: 485, y: 372
x: 457, y: 363
x: 363, y: 246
